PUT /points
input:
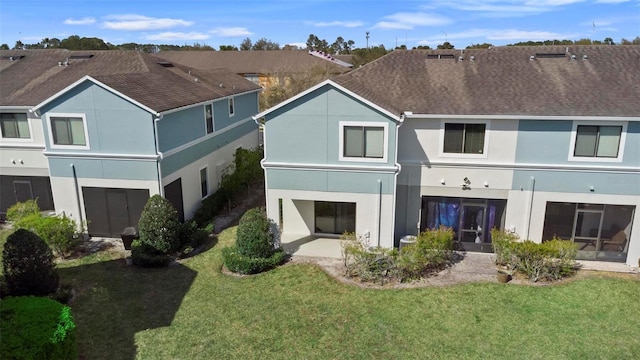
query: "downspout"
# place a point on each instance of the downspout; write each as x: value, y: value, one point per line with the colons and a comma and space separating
x: 75, y: 183
x: 160, y: 155
x: 532, y: 186
x: 395, y: 179
x: 379, y: 210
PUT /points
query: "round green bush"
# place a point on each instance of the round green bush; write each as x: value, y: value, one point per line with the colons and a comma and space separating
x: 240, y: 264
x: 27, y: 262
x: 36, y: 328
x: 254, y: 237
x: 158, y: 225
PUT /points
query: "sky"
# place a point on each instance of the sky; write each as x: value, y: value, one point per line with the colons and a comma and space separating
x: 388, y: 22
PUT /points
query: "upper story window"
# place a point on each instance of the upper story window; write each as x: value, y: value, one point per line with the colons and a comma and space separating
x: 590, y: 142
x: 208, y: 118
x: 68, y: 131
x: 14, y: 126
x: 361, y: 141
x: 464, y: 138
x: 231, y: 107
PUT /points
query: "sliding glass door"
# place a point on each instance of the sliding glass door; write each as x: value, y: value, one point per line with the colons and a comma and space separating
x: 334, y: 217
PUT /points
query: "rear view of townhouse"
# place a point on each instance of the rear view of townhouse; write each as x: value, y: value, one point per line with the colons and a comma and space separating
x: 94, y: 134
x: 541, y: 141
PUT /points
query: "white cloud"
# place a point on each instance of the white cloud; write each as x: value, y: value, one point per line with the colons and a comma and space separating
x: 231, y: 32
x: 611, y: 1
x: 492, y: 35
x: 132, y: 22
x: 83, y: 21
x: 503, y: 8
x: 407, y: 21
x: 173, y: 36
x: 347, y: 24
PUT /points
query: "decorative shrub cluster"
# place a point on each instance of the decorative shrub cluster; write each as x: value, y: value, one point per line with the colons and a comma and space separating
x: 548, y: 261
x: 432, y: 251
x: 244, y: 172
x: 60, y: 232
x: 255, y: 249
x: 28, y: 265
x: 36, y: 328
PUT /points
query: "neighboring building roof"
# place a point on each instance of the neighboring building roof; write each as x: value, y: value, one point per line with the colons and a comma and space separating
x: 504, y: 81
x: 31, y: 77
x: 251, y: 62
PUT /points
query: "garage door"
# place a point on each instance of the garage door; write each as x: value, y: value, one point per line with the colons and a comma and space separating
x: 110, y: 210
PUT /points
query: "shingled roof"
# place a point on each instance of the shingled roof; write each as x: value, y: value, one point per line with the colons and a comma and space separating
x: 29, y: 77
x: 251, y: 62
x: 529, y: 81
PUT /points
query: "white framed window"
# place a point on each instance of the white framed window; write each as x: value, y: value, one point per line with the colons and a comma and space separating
x: 600, y: 142
x: 464, y: 138
x: 15, y: 126
x: 204, y: 182
x: 68, y: 131
x: 363, y: 141
x: 232, y: 109
x: 208, y: 118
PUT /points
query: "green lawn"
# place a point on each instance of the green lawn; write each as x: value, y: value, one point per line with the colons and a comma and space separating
x: 193, y: 311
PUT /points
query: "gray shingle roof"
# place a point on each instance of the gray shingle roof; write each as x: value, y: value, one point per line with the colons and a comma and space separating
x: 251, y: 62
x: 504, y: 81
x: 38, y: 75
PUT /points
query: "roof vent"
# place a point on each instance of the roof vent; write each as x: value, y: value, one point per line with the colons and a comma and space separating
x: 472, y: 58
x: 573, y: 57
x: 165, y: 63
x: 550, y: 55
x: 81, y: 56
x: 440, y: 56
x: 585, y: 57
x: 460, y: 58
x: 12, y: 57
x: 532, y: 57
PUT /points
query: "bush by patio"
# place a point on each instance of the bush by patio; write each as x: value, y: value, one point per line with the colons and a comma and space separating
x: 60, y: 232
x: 255, y: 250
x: 548, y: 261
x: 20, y: 210
x: 36, y: 328
x: 144, y: 255
x: 158, y: 225
x: 28, y: 266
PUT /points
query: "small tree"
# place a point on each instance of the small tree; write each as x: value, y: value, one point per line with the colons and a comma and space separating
x: 28, y: 265
x: 158, y: 225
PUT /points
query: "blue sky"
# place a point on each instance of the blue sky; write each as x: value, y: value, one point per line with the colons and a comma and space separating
x: 427, y: 22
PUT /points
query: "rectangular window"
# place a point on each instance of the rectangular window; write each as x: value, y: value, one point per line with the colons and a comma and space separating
x: 204, y: 182
x: 460, y: 138
x: 231, y: 107
x: 363, y: 142
x: 334, y: 217
x: 597, y: 141
x: 14, y: 126
x: 208, y: 117
x: 68, y: 131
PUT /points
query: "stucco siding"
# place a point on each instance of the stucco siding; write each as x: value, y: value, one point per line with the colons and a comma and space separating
x: 126, y: 169
x: 580, y: 182
x: 327, y: 180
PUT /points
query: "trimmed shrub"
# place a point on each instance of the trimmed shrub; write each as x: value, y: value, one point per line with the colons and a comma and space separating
x: 60, y: 232
x: 36, y: 328
x: 549, y: 261
x: 28, y: 265
x: 368, y: 264
x: 254, y: 237
x: 22, y: 209
x: 146, y: 256
x: 191, y: 237
x: 240, y: 264
x: 432, y: 251
x: 158, y: 225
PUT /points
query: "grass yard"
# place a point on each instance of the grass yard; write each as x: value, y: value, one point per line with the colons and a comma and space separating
x: 193, y: 311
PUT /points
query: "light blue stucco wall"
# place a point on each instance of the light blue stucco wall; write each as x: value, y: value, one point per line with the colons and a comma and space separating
x: 176, y: 161
x: 104, y: 168
x: 334, y: 181
x: 179, y: 128
x: 307, y: 130
x: 114, y: 125
x: 547, y: 142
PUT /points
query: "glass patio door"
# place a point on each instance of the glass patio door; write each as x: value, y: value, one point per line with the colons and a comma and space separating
x: 587, y: 227
x: 472, y: 222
